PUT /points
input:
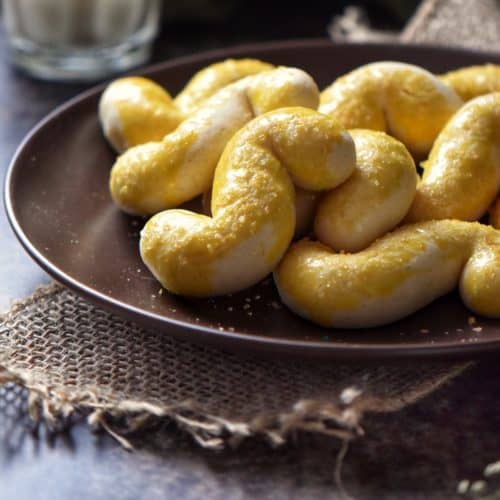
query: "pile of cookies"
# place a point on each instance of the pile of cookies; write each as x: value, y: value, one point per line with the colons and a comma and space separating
x: 319, y: 188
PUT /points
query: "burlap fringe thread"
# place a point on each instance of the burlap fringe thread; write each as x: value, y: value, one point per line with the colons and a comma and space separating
x: 49, y: 405
x: 342, y: 419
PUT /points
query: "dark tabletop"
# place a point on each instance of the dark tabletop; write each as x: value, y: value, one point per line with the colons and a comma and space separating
x: 421, y: 452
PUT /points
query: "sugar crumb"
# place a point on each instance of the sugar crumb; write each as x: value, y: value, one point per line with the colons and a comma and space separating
x: 492, y: 469
x: 478, y: 486
x: 463, y: 487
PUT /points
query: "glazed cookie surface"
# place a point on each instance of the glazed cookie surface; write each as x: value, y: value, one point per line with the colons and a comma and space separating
x: 474, y: 81
x: 462, y: 175
x: 375, y: 198
x: 253, y: 204
x: 211, y: 79
x: 403, y: 100
x: 135, y: 110
x: 158, y: 175
x: 395, y: 276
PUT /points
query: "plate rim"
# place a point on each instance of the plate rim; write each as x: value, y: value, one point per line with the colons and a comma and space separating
x: 210, y: 335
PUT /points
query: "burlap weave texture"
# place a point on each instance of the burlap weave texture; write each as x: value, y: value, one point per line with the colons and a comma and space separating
x: 73, y: 355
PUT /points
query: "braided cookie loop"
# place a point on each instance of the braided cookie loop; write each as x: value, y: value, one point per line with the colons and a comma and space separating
x: 383, y: 184
x: 375, y: 198
x: 159, y: 175
x: 462, y: 175
x: 209, y: 80
x: 394, y: 277
x: 306, y: 203
x: 253, y: 204
x: 135, y: 110
x: 403, y: 100
x: 473, y: 81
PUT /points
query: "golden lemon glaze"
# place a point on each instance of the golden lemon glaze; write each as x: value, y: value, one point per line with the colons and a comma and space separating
x: 395, y: 276
x: 375, y: 198
x: 462, y: 175
x: 403, y: 100
x: 209, y: 80
x: 135, y: 110
x: 253, y: 204
x: 474, y: 81
x: 306, y: 203
x: 383, y: 185
x: 158, y: 175
x: 471, y: 82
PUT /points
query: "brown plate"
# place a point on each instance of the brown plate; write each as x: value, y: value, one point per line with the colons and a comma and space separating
x: 58, y: 203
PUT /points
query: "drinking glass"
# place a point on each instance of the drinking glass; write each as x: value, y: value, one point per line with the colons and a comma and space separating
x: 79, y: 39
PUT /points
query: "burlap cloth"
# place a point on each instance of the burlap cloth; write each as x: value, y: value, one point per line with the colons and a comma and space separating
x: 73, y: 356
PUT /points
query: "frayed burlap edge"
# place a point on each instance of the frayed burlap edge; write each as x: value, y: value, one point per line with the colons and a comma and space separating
x: 51, y: 404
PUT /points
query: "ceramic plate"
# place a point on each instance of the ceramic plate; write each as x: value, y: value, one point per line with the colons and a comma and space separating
x: 58, y: 203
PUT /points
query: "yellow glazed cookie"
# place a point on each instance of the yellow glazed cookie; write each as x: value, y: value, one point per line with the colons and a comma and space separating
x: 462, y: 175
x: 158, y: 175
x: 253, y: 204
x: 474, y: 81
x: 382, y: 186
x: 306, y: 203
x: 403, y: 100
x: 375, y: 198
x: 394, y: 277
x: 209, y: 80
x: 135, y: 110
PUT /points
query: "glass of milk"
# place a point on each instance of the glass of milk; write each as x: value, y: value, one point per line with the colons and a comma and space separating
x: 79, y: 39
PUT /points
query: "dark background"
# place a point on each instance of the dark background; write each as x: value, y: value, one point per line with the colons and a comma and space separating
x: 382, y: 12
x: 194, y: 21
